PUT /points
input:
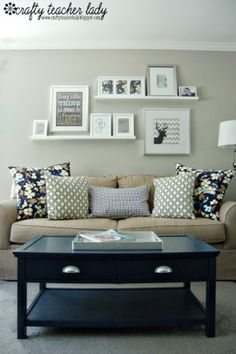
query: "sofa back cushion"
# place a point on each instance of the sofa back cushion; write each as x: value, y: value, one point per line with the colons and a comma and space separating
x: 139, y: 180
x: 118, y: 203
x: 102, y: 181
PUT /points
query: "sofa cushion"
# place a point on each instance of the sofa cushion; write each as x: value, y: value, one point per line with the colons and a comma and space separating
x: 31, y: 189
x: 117, y: 203
x: 26, y: 230
x: 210, y: 188
x: 208, y: 230
x: 102, y: 181
x: 173, y: 197
x: 136, y: 181
x: 67, y: 197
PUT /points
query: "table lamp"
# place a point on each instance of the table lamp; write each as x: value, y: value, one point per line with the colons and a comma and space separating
x: 227, y: 136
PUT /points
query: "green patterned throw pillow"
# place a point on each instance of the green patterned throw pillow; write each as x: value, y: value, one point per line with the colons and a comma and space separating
x: 173, y: 197
x: 67, y: 197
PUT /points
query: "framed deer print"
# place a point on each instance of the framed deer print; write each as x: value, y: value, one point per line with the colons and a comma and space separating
x: 167, y: 131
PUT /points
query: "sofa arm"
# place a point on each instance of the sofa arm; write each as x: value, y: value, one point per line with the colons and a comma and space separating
x: 228, y: 217
x: 8, y: 215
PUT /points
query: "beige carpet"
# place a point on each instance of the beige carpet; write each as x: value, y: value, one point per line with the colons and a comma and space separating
x: 158, y: 341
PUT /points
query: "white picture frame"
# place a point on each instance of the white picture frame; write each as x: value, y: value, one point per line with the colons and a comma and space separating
x: 100, y: 125
x: 121, y: 86
x: 40, y: 127
x: 167, y: 131
x: 161, y: 80
x: 188, y: 91
x: 123, y: 125
x: 69, y: 108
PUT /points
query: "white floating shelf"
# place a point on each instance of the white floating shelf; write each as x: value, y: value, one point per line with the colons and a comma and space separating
x: 147, y: 98
x: 79, y: 137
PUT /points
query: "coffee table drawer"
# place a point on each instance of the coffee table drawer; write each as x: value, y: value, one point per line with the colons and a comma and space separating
x: 71, y: 270
x: 163, y: 270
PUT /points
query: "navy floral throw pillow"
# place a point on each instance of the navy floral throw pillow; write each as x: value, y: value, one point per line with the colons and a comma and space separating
x: 209, y: 191
x: 31, y: 188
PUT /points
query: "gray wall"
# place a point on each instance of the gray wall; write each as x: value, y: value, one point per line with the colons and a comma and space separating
x: 25, y: 78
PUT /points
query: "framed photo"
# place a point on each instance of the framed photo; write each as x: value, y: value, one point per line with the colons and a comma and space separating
x: 167, y: 131
x: 123, y: 125
x: 121, y: 86
x: 69, y: 108
x: 162, y: 80
x: 188, y: 91
x: 40, y: 127
x: 100, y: 124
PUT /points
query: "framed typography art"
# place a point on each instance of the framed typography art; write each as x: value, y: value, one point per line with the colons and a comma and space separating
x: 167, y: 131
x: 69, y: 108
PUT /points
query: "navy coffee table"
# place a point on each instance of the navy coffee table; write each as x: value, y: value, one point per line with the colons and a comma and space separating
x: 50, y: 259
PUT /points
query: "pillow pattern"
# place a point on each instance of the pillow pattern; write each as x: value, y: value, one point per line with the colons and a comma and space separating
x: 67, y: 197
x: 173, y: 197
x: 31, y: 189
x: 119, y: 203
x: 209, y: 191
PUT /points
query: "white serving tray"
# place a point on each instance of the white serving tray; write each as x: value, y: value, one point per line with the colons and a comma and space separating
x: 144, y: 240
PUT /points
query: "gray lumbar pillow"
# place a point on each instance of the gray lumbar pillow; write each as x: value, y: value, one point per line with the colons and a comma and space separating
x: 118, y: 203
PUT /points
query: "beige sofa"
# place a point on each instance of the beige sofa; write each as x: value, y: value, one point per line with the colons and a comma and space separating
x: 221, y: 234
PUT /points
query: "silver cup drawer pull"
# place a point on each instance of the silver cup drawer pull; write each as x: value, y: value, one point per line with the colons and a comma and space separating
x: 163, y: 269
x: 70, y: 269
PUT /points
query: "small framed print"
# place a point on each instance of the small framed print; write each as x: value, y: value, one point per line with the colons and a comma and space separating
x: 100, y: 125
x: 167, y: 131
x: 69, y: 108
x: 121, y: 86
x: 123, y: 125
x: 188, y: 91
x: 162, y: 80
x: 40, y: 127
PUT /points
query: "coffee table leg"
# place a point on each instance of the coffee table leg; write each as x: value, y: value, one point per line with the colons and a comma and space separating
x: 42, y: 286
x: 21, y: 301
x: 187, y: 284
x: 211, y: 299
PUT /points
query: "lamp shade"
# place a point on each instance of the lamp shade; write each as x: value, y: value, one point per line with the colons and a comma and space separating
x: 227, y: 134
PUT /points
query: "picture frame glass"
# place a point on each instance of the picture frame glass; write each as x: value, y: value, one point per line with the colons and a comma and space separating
x: 69, y: 108
x: 123, y: 125
x: 136, y: 87
x: 100, y: 125
x: 187, y: 91
x: 167, y: 131
x: 162, y: 81
x: 119, y: 86
x: 107, y: 87
x: 40, y: 128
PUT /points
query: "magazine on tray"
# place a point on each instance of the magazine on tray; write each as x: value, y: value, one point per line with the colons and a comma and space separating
x: 105, y: 236
x: 112, y: 240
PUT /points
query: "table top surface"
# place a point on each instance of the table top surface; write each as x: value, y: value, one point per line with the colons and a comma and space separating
x: 62, y: 245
